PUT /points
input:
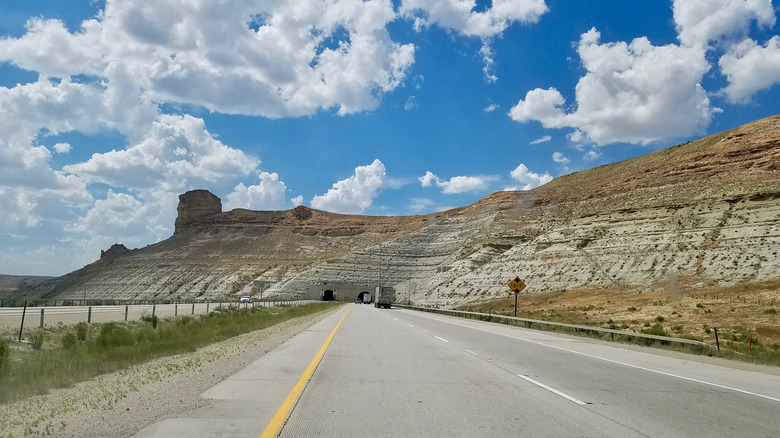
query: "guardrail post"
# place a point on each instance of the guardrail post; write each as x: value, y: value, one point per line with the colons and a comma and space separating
x: 207, y: 307
x: 154, y: 308
x: 126, y: 310
x: 41, y: 318
x: 193, y: 308
x: 89, y: 314
x: 176, y: 309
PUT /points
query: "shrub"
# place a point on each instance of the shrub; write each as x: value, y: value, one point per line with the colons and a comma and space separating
x: 707, y: 329
x: 4, y: 353
x: 659, y: 318
x: 771, y: 311
x: 700, y: 305
x: 153, y: 319
x: 69, y: 341
x: 113, y: 335
x: 36, y: 339
x: 81, y: 331
x: 632, y: 309
x: 657, y: 329
x: 185, y: 320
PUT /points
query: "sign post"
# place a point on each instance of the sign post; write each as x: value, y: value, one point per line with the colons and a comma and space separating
x: 516, y: 285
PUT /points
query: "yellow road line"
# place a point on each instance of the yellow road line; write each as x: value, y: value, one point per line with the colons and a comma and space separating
x: 277, y: 422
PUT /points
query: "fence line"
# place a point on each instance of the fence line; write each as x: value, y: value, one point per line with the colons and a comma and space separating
x: 12, y: 317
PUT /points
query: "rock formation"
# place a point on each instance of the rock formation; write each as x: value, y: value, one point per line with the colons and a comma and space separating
x: 703, y: 213
x: 196, y: 206
x: 115, y: 251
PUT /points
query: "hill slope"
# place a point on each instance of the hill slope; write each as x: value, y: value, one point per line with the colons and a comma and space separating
x: 704, y: 213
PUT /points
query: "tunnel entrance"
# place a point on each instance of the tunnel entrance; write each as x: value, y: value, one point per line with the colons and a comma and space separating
x: 364, y: 297
x: 328, y: 295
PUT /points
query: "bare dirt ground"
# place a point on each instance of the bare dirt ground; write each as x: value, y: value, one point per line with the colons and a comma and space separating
x: 748, y: 312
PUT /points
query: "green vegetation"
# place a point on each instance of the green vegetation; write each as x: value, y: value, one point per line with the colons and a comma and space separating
x: 65, y: 355
x: 656, y: 329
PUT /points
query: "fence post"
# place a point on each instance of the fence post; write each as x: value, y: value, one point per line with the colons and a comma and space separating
x: 154, y: 308
x: 21, y: 327
x: 41, y: 318
x: 89, y: 314
x: 716, y: 338
x: 176, y: 309
x: 126, y: 310
x: 193, y: 308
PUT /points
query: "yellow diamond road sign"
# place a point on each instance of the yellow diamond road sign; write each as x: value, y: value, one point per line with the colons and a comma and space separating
x: 517, y: 285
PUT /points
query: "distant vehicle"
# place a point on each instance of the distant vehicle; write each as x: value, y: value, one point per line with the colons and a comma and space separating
x: 357, y: 301
x: 366, y: 298
x: 245, y: 300
x: 385, y: 295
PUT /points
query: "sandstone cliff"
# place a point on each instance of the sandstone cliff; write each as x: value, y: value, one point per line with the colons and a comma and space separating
x: 703, y: 213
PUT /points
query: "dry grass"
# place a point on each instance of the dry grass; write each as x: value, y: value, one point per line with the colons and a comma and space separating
x: 743, y: 314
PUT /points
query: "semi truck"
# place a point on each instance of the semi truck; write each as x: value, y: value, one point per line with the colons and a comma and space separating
x: 384, y: 297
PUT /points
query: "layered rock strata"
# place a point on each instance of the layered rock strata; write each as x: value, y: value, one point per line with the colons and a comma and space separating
x: 698, y: 214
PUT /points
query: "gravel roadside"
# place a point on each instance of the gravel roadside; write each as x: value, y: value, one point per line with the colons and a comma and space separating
x: 122, y: 403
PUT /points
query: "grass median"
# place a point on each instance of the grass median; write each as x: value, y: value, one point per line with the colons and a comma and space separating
x: 64, y: 355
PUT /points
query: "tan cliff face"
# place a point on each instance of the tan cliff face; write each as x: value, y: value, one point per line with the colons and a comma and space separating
x: 703, y: 213
x: 194, y: 207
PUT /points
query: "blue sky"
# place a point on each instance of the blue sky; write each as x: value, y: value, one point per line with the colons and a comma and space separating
x: 110, y: 109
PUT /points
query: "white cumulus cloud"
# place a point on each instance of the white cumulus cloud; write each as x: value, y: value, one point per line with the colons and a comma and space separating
x: 456, y: 184
x: 356, y: 193
x: 560, y: 158
x: 530, y: 180
x: 750, y: 68
x: 461, y: 16
x: 176, y: 154
x: 267, y: 195
x: 634, y: 93
x: 591, y: 155
x: 700, y: 22
x: 262, y: 58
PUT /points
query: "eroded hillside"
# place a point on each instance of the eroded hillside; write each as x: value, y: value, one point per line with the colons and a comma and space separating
x: 703, y: 213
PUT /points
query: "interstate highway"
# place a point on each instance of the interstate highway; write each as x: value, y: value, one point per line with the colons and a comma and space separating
x: 400, y: 373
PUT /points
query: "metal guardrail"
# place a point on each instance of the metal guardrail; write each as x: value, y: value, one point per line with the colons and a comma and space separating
x: 576, y: 327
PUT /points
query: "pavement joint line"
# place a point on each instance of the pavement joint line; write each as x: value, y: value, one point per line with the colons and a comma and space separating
x: 553, y: 390
x: 277, y: 422
x: 664, y: 373
x: 526, y: 378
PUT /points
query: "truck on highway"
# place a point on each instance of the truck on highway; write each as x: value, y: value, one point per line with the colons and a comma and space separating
x: 384, y: 297
x: 366, y: 298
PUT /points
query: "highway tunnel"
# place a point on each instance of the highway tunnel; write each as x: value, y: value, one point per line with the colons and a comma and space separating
x: 328, y: 295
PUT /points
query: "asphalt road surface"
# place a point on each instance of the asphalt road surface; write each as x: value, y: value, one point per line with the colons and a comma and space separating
x: 399, y: 373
